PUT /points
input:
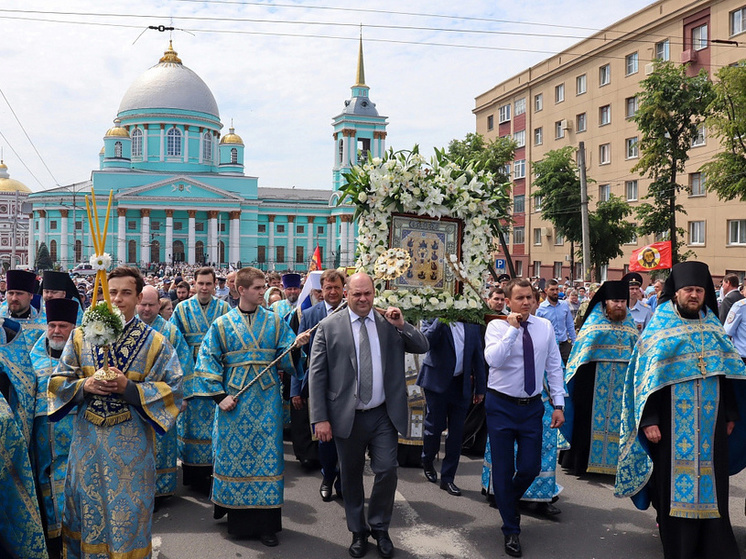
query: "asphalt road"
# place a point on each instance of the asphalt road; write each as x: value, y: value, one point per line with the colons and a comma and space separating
x: 429, y: 523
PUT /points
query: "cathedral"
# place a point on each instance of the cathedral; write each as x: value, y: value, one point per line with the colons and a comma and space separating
x: 181, y: 193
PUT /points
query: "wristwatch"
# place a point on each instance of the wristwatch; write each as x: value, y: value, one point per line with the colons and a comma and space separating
x: 560, y: 408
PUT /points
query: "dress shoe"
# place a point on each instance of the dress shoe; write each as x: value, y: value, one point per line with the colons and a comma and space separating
x: 326, y: 490
x: 219, y: 512
x: 383, y: 543
x: 430, y: 474
x: 359, y: 546
x: 547, y: 509
x: 513, y: 545
x: 269, y: 539
x: 451, y: 488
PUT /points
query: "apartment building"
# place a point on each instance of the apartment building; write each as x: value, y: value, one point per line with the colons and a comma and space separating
x: 588, y: 93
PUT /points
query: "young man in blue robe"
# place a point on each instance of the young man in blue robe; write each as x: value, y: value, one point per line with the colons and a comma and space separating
x: 249, y: 465
x: 110, y: 485
x: 678, y: 410
x: 193, y: 317
x: 51, y: 441
x: 166, y: 447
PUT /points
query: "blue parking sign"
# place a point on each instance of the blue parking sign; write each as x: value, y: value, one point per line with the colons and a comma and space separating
x: 500, y: 264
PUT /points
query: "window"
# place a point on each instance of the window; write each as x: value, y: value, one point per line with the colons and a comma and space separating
x: 538, y: 136
x: 660, y: 237
x: 538, y: 199
x: 78, y: 225
x: 630, y: 188
x: 132, y: 226
x: 518, y: 268
x: 537, y: 268
x: 630, y: 148
x: 604, y: 75
x: 53, y: 225
x: 173, y: 142
x: 299, y: 257
x: 300, y: 229
x: 696, y: 232
x: 519, y: 235
x: 261, y: 254
x: 738, y: 21
x: 699, y: 37
x: 221, y: 226
x: 557, y: 269
x: 491, y: 122
x: 604, y: 154
x: 559, y: 240
x: 737, y: 232
x: 663, y: 50
x: 178, y: 225
x: 630, y: 107
x: 581, y: 123
x: 234, y: 156
x: 199, y: 226
x: 559, y: 93
x: 207, y: 147
x: 520, y: 138
x: 155, y: 225
x: 537, y: 236
x: 604, y: 115
x: 137, y: 143
x: 538, y: 102
x: 280, y: 254
x: 320, y: 230
x: 280, y: 228
x: 604, y: 191
x: 520, y: 106
x: 581, y: 85
x: 519, y: 204
x: 118, y: 149
x: 519, y: 169
x: 697, y: 184
x: 699, y: 139
x: 504, y: 113
x: 559, y: 131
x: 630, y: 63
x: 261, y: 228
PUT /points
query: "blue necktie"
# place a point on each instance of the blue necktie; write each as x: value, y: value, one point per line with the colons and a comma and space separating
x: 529, y: 369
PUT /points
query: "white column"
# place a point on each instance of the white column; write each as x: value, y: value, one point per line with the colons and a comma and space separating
x: 212, y: 237
x: 351, y: 242
x: 186, y: 144
x: 330, y: 226
x: 31, y: 243
x: 163, y: 142
x: 145, y: 236
x: 345, y: 150
x: 64, y: 239
x: 234, y: 250
x: 121, y: 236
x: 145, y: 143
x: 271, y: 253
x: 290, y: 255
x: 169, y: 236
x: 343, y: 244
x: 310, y: 237
x: 191, y: 240
x: 199, y: 150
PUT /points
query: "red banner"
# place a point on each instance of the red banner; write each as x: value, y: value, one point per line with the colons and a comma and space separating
x: 656, y: 256
x: 316, y: 260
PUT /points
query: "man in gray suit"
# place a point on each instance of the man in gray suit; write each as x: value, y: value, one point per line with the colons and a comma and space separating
x: 358, y: 395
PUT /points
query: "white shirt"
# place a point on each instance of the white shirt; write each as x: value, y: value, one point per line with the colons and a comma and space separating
x: 378, y: 396
x: 504, y: 355
x: 457, y: 331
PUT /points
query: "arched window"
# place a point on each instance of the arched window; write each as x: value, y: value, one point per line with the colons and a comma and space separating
x: 207, y: 147
x: 137, y: 143
x: 78, y: 251
x: 132, y: 252
x: 118, y: 149
x: 155, y: 251
x: 234, y: 156
x: 53, y: 250
x: 199, y: 252
x: 178, y: 252
x: 173, y: 142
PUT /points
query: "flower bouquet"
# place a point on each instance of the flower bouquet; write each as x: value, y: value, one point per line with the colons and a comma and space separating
x: 102, y: 325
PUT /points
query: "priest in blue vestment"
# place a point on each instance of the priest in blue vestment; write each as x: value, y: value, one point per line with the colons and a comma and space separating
x: 23, y: 305
x: 249, y: 465
x: 110, y: 485
x: 678, y: 410
x: 595, y: 381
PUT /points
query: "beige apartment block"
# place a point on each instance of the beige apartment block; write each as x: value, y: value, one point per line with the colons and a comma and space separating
x: 587, y: 94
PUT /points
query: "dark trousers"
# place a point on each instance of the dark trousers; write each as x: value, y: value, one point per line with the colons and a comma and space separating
x: 304, y: 447
x: 565, y: 349
x: 445, y: 410
x: 371, y: 431
x: 507, y: 424
x: 328, y: 459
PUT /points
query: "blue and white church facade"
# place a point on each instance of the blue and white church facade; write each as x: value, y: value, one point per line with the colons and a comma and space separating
x: 181, y: 193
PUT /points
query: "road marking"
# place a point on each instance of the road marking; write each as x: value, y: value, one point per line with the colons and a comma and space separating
x: 425, y: 540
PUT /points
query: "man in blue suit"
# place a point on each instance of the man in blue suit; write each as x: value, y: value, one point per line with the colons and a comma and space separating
x: 452, y: 376
x: 332, y: 289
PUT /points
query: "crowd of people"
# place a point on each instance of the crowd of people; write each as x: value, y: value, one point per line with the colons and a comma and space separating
x: 212, y: 367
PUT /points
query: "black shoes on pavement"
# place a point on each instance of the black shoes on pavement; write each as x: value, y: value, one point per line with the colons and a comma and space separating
x: 430, y: 474
x: 359, y: 546
x: 269, y: 539
x: 450, y: 488
x: 383, y: 543
x: 513, y: 545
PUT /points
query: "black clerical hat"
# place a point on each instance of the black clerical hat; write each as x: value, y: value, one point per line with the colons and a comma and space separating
x: 687, y: 274
x: 62, y: 310
x: 21, y: 280
x: 608, y: 290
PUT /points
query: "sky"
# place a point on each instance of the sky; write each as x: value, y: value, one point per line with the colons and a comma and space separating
x: 279, y: 70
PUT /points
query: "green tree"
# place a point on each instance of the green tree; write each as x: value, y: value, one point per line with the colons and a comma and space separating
x: 609, y: 230
x: 672, y: 106
x: 43, y: 259
x: 557, y: 182
x: 492, y: 156
x: 726, y: 173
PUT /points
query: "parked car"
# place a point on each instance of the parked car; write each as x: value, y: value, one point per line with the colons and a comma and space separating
x: 82, y: 270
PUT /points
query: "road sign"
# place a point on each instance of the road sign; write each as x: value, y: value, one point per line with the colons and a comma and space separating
x: 500, y: 264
